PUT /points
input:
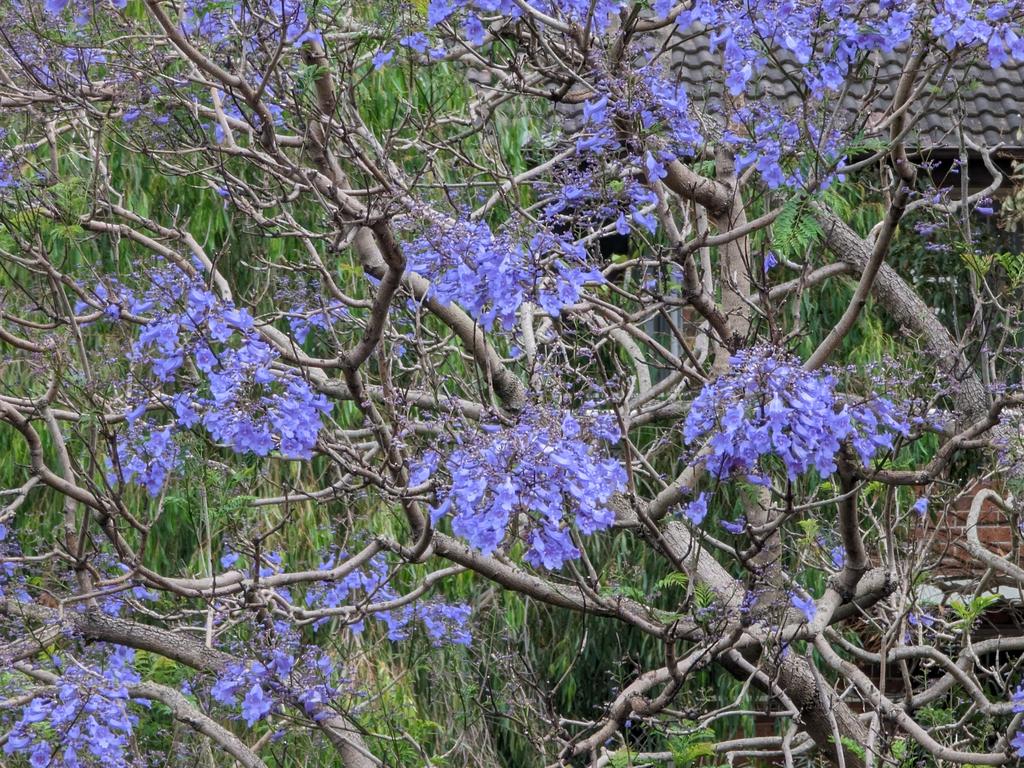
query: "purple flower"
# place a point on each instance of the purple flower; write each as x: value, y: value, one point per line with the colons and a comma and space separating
x: 838, y: 555
x: 1018, y: 699
x: 805, y: 605
x: 438, y: 11
x: 735, y: 528
x: 225, y: 689
x: 417, y: 41
x: 594, y: 110
x: 37, y: 711
x: 921, y: 619
x: 7, y: 181
x: 304, y: 319
x: 920, y: 507
x: 148, y: 456
x: 380, y: 58
x: 770, y: 261
x: 697, y: 509
x: 256, y: 705
x: 40, y: 757
x: 1018, y: 743
x: 228, y: 559
x: 474, y: 30
x: 646, y: 220
x: 17, y: 742
x: 446, y: 623
x: 596, y: 143
x: 655, y: 168
x: 737, y: 78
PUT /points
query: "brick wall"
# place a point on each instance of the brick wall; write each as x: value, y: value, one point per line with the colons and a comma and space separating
x: 948, y: 535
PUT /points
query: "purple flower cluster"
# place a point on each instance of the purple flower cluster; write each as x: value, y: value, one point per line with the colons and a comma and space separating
x: 443, y: 622
x: 286, y: 674
x: 148, y: 455
x: 920, y: 618
x: 588, y: 198
x: 824, y: 38
x: 491, y: 274
x: 966, y: 23
x: 767, y: 405
x: 827, y: 37
x: 302, y: 320
x: 819, y: 42
x: 85, y: 720
x: 770, y: 140
x: 233, y: 388
x: 1018, y: 743
x: 366, y: 581
x: 547, y: 468
x: 656, y: 103
x: 6, y: 176
x: 1017, y: 699
x: 800, y: 30
x: 420, y: 43
x: 217, y: 21
x: 81, y: 8
x: 874, y: 424
x: 10, y: 578
x: 7, y: 167
x: 774, y: 143
x: 598, y: 13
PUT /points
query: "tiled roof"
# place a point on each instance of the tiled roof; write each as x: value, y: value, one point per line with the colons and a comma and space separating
x: 991, y: 100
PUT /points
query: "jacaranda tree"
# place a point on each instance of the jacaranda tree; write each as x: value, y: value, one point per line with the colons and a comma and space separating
x: 354, y: 354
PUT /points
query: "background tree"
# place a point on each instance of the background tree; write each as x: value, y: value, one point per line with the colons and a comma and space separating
x: 472, y: 383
